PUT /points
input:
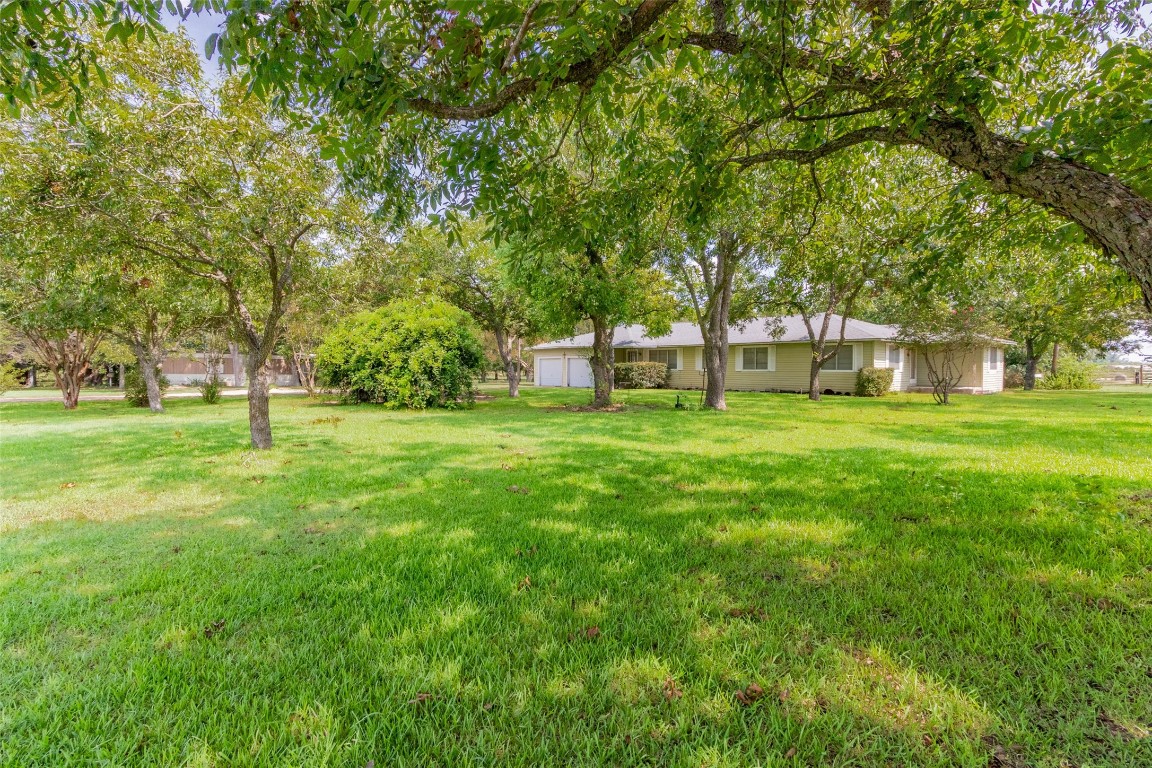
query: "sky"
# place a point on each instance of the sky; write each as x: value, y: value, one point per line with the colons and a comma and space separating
x: 198, y: 27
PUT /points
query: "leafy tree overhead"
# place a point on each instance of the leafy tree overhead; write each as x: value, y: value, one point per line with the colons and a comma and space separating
x: 1049, y: 103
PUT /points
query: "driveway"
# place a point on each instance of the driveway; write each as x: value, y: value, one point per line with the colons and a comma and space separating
x: 96, y: 395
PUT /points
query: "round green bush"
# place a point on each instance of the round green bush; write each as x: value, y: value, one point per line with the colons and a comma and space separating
x: 1071, y: 374
x: 641, y: 375
x: 873, y: 382
x: 410, y: 354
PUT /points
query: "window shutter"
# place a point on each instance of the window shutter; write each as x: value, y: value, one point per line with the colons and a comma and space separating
x: 771, y: 357
x: 739, y: 358
x: 857, y: 356
x: 700, y: 359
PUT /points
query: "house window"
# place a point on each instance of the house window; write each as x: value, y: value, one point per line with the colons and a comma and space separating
x: 993, y: 359
x: 841, y: 361
x: 633, y: 356
x: 758, y: 359
x: 669, y: 357
x: 894, y: 356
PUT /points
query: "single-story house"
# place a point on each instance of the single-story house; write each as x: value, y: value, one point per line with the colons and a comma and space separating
x: 770, y: 355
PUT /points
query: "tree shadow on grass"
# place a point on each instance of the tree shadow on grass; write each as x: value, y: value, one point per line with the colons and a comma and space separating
x: 409, y: 603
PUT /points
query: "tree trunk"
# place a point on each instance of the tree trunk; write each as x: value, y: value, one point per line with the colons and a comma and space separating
x: 1055, y: 357
x: 1030, y: 373
x: 716, y: 368
x: 69, y: 382
x: 814, y: 374
x: 512, y: 371
x: 601, y: 362
x: 151, y: 383
x: 511, y: 362
x: 714, y: 325
x: 31, y: 377
x: 120, y: 377
x: 305, y: 370
x: 1112, y: 215
x: 259, y: 423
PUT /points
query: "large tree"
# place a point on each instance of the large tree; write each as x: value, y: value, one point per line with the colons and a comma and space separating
x: 1045, y: 292
x: 60, y: 309
x: 468, y: 270
x: 205, y: 182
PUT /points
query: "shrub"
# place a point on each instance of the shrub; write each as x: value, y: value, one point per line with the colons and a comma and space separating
x: 210, y: 389
x: 1013, y: 377
x: 9, y: 377
x: 641, y: 375
x: 873, y: 382
x: 1071, y: 374
x: 410, y: 354
x: 136, y: 392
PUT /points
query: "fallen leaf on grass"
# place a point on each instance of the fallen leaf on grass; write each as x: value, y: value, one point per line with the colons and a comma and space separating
x: 257, y: 479
x: 526, y: 583
x: 67, y: 485
x: 487, y: 706
x: 591, y: 632
x: 517, y: 489
x: 507, y: 467
x: 671, y: 690
x: 422, y: 697
x: 750, y: 695
x: 791, y: 753
x: 213, y: 628
x: 529, y: 553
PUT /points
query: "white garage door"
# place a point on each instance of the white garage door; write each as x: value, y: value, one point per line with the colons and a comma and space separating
x: 579, y: 372
x: 550, y: 371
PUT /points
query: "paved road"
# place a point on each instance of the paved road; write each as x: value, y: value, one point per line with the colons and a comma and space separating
x: 97, y: 395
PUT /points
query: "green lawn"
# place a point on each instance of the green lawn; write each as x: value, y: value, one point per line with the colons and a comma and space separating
x: 854, y: 582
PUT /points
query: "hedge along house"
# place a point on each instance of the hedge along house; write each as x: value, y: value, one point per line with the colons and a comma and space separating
x: 771, y: 355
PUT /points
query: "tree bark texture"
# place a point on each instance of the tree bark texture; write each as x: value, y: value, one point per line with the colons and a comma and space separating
x: 601, y: 362
x: 259, y: 424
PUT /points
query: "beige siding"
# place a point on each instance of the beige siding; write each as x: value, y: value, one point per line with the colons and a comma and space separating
x: 993, y: 380
x: 970, y: 362
x: 792, y: 365
x: 900, y: 373
x: 791, y: 374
